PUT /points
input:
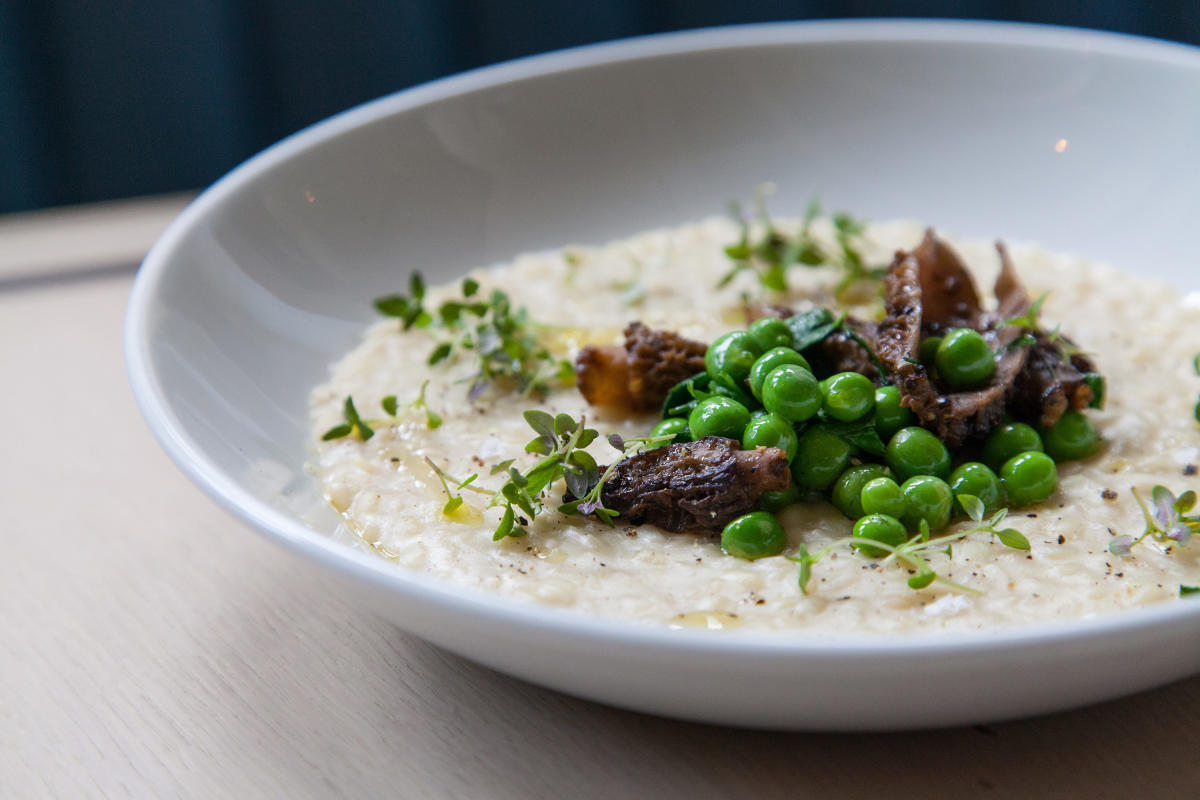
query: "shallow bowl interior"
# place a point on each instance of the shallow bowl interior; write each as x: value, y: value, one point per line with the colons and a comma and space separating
x: 1081, y: 141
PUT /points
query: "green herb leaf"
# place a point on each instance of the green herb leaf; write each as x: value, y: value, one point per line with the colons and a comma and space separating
x: 503, y: 340
x: 972, y: 505
x: 581, y: 473
x: 560, y: 441
x: 563, y: 425
x: 1184, y: 591
x: 440, y: 353
x: 921, y: 580
x: 337, y: 432
x: 1031, y: 319
x: 806, y: 563
x: 682, y: 398
x: 1165, y: 521
x: 389, y: 405
x: 860, y: 434
x: 1010, y: 537
x: 505, y: 528
x: 1095, y: 381
x: 771, y: 256
x: 810, y: 327
x: 361, y: 428
x: 541, y: 422
x: 724, y: 385
x: 453, y: 501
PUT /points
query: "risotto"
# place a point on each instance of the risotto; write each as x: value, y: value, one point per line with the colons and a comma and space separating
x: 1141, y: 334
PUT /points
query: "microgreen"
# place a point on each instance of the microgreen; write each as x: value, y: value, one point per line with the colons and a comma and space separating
x: 1031, y: 323
x: 1032, y: 318
x: 503, y: 341
x: 914, y: 554
x: 1166, y: 520
x: 773, y: 252
x: 363, y: 429
x: 409, y: 308
x: 1185, y: 590
x: 352, y: 426
x: 560, y: 441
x: 453, y: 500
x: 591, y: 502
x: 432, y: 418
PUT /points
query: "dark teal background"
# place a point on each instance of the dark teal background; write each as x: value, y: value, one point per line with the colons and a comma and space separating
x: 111, y: 98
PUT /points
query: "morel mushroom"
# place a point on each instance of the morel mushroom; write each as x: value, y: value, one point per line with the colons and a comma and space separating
x: 637, y: 376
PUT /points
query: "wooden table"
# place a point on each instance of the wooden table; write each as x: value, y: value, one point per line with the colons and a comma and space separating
x: 154, y: 647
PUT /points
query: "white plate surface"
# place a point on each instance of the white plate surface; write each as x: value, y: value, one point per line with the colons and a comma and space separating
x: 1085, y: 142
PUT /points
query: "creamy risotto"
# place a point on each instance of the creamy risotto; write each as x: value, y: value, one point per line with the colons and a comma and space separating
x: 1142, y: 335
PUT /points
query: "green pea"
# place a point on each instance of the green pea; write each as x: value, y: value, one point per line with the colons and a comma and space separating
x: 847, y: 396
x: 768, y: 361
x: 890, y: 416
x: 770, y: 430
x: 792, y: 392
x: 927, y: 352
x: 675, y: 426
x: 1007, y: 441
x: 978, y: 479
x: 718, y: 416
x: 754, y: 535
x: 964, y: 359
x: 770, y: 332
x: 1029, y: 478
x: 732, y: 354
x: 915, y: 451
x: 883, y: 496
x: 1072, y: 438
x: 847, y: 490
x: 880, y: 528
x: 821, y: 457
x: 778, y: 500
x: 927, y: 498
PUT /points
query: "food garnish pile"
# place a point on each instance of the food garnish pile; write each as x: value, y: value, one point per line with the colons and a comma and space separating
x: 923, y: 425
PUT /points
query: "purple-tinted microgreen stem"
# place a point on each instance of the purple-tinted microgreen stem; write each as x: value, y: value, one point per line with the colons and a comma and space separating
x: 1166, y: 522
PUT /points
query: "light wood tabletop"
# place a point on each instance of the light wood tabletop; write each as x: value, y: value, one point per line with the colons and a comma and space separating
x: 155, y: 647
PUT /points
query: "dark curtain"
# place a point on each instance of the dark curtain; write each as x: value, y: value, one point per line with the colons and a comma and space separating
x: 120, y: 98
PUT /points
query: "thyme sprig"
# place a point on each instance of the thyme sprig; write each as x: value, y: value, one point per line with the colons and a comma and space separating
x: 363, y: 429
x: 1167, y: 524
x: 914, y: 554
x: 1031, y: 323
x: 774, y: 252
x: 560, y: 441
x: 503, y: 341
x: 591, y: 502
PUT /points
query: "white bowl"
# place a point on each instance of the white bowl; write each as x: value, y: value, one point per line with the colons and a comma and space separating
x: 1083, y: 141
